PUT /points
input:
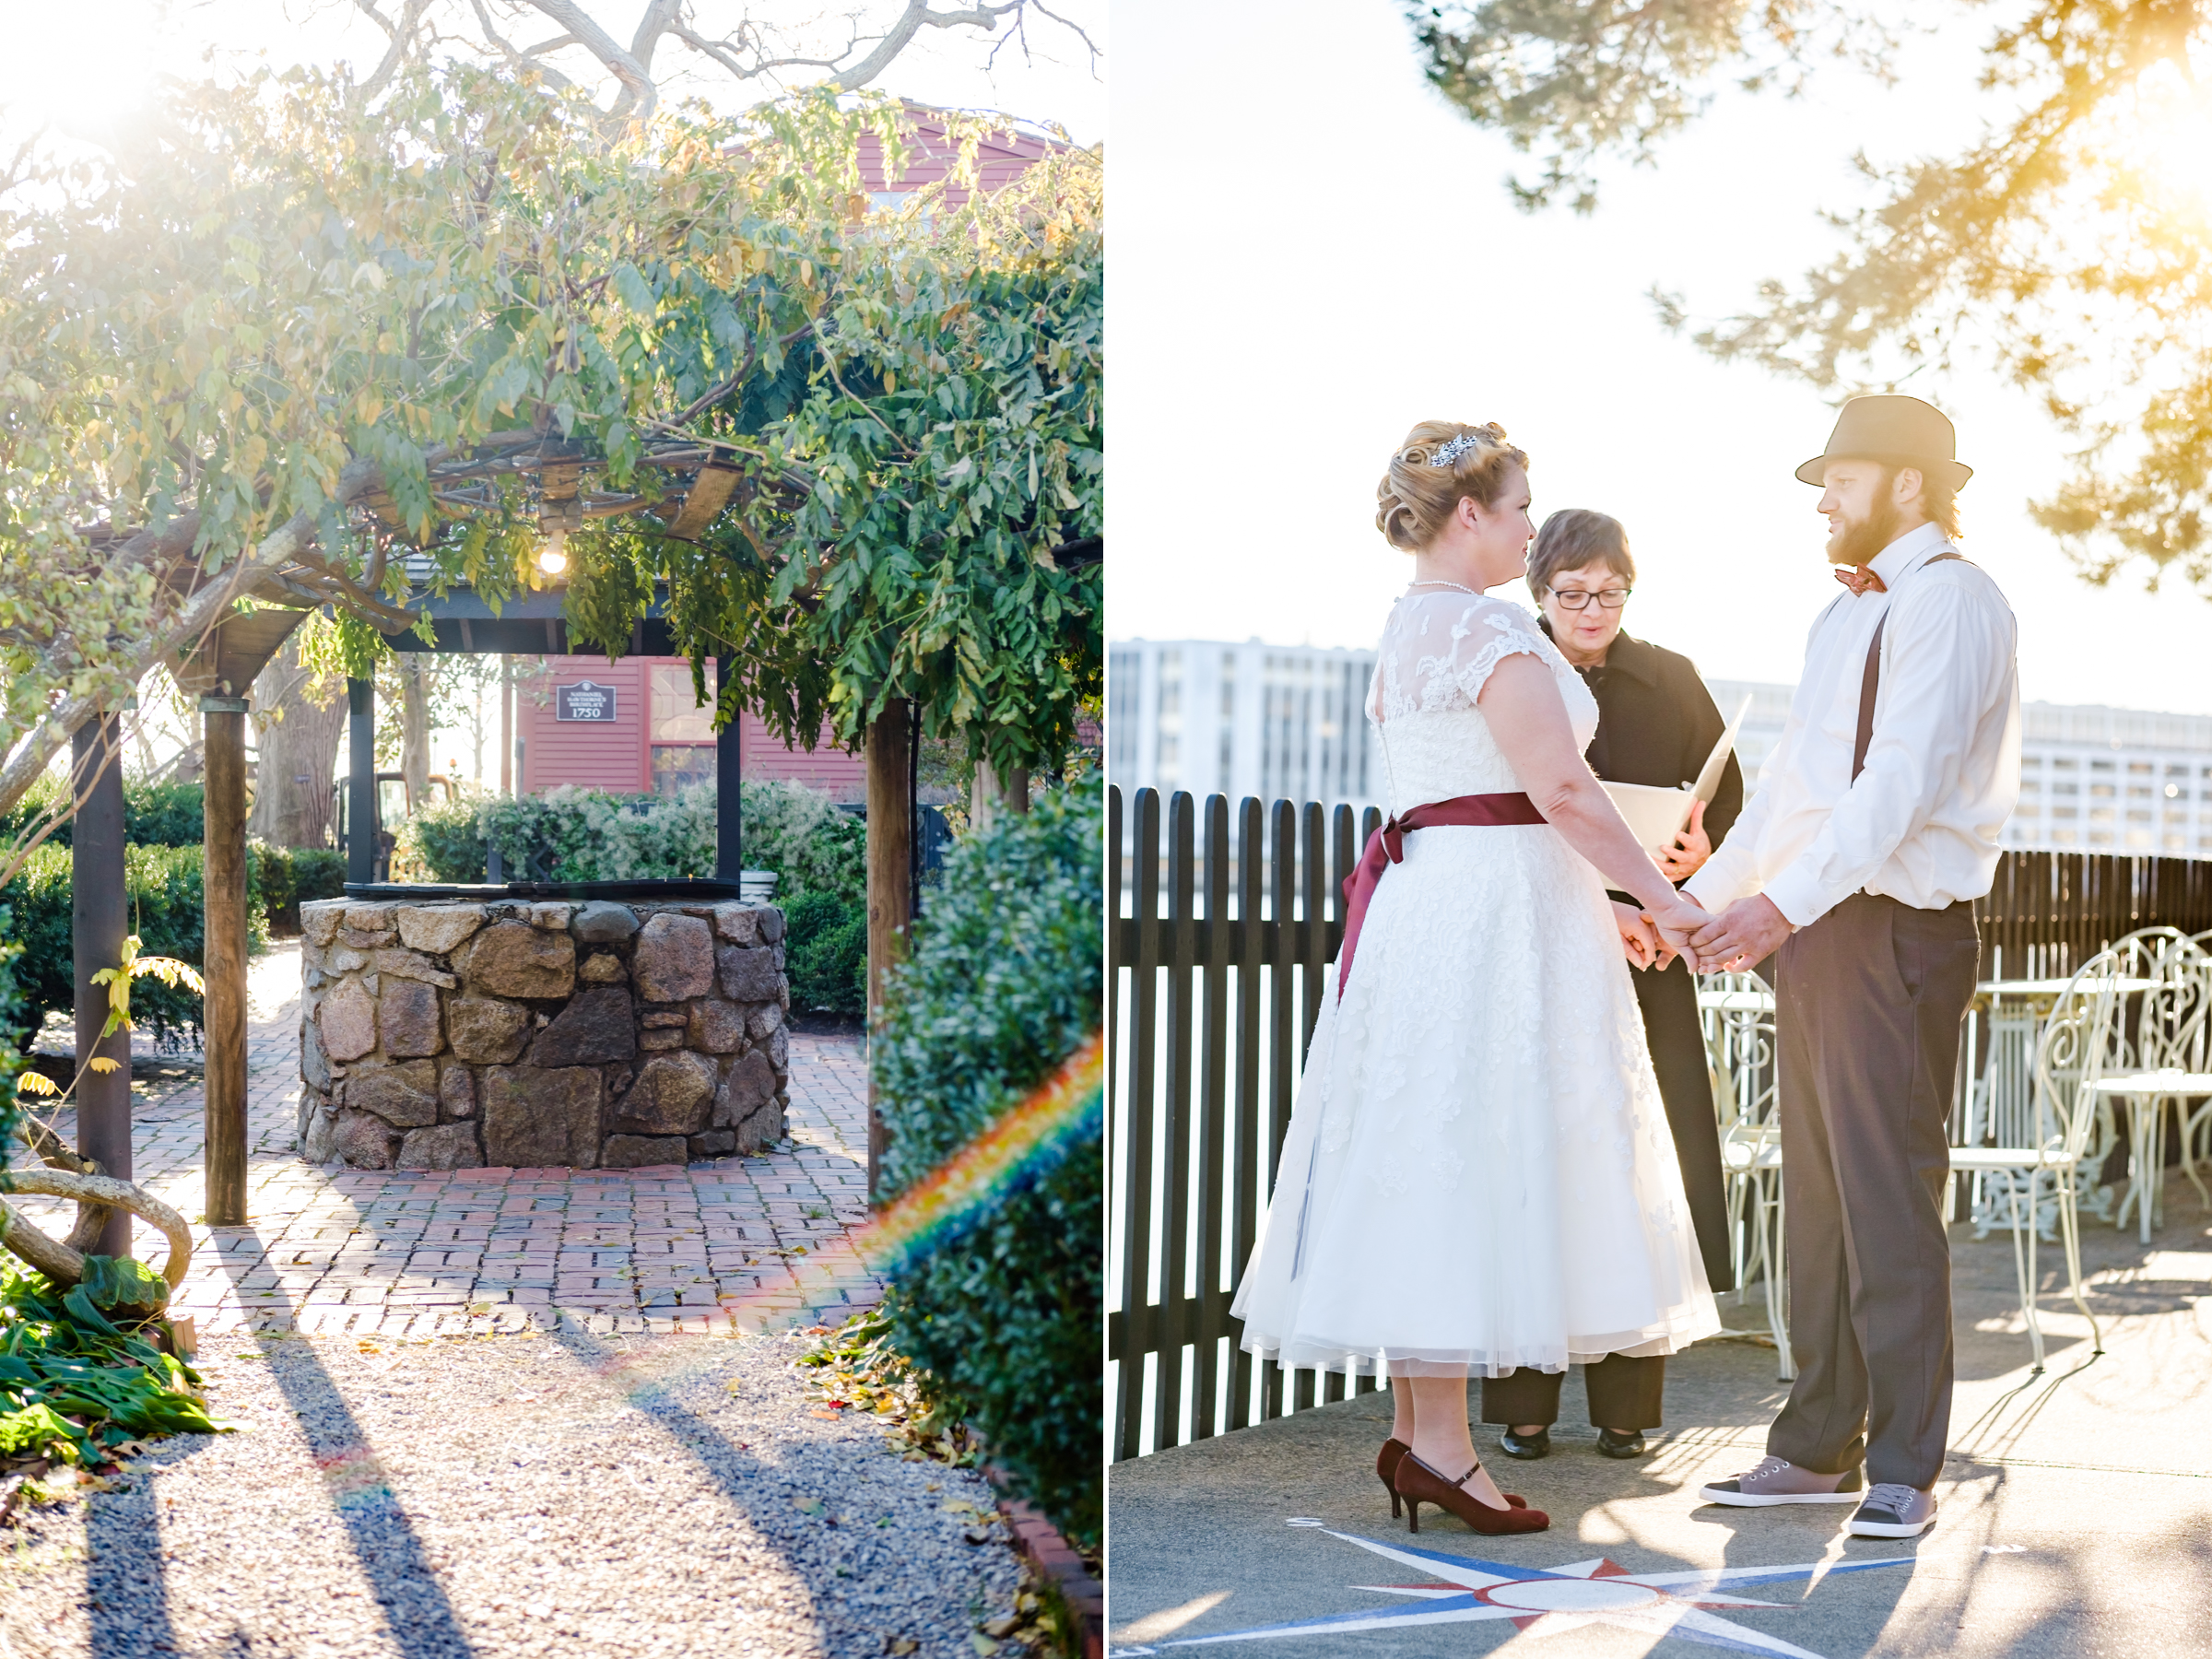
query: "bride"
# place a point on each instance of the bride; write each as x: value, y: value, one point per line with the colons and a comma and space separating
x: 1478, y: 1174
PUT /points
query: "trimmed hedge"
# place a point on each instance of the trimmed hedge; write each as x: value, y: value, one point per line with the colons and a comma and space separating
x: 290, y: 876
x: 166, y: 913
x: 154, y: 814
x: 820, y: 852
x: 1004, y: 984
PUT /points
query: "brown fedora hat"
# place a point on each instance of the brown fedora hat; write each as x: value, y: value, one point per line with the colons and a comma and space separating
x: 1900, y: 430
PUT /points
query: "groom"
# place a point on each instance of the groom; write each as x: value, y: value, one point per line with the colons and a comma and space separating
x: 1874, y: 830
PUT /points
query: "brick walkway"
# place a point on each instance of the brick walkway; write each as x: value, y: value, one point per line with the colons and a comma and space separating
x: 732, y: 1242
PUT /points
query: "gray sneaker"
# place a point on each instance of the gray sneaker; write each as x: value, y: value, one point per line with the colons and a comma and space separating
x: 1778, y: 1480
x: 1892, y: 1511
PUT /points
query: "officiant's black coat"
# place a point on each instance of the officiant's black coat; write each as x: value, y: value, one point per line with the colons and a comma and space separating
x: 1656, y: 724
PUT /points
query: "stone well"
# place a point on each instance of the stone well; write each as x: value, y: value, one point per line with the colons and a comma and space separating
x: 530, y: 1034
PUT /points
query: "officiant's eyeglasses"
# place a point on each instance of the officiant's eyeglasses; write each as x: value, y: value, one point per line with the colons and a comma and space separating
x: 1579, y: 598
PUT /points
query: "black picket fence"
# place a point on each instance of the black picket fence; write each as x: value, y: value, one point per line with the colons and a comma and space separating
x: 1223, y: 920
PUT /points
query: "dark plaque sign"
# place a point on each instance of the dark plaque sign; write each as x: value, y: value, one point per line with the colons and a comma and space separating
x: 584, y: 701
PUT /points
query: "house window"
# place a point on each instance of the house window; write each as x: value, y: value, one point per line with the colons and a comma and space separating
x: 681, y: 729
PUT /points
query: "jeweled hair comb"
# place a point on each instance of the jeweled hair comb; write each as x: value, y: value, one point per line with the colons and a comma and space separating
x: 1452, y: 449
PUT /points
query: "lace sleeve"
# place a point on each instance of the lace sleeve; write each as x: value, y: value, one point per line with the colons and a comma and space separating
x: 1484, y: 637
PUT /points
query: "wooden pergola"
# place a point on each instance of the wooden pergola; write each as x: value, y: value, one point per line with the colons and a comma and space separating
x: 681, y: 485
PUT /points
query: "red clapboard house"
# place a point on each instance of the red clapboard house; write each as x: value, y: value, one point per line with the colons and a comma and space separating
x: 631, y: 726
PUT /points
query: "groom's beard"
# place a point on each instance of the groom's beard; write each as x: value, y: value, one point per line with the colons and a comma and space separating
x: 1860, y: 542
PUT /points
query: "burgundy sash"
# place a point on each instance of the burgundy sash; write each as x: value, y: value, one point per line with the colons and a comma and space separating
x: 1387, y: 846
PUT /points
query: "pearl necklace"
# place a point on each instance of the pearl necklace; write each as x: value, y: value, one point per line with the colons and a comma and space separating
x: 1460, y: 586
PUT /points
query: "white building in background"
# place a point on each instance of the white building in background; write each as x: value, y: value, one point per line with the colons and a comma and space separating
x: 1278, y: 722
x: 1284, y: 722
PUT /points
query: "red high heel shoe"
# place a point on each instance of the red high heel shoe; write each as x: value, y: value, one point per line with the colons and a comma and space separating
x: 1386, y: 1470
x: 1419, y: 1484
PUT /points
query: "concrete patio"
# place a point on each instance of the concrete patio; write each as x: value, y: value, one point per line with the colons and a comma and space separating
x: 2077, y: 1506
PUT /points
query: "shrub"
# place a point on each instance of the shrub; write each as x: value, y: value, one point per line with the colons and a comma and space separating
x: 164, y: 815
x: 317, y: 873
x: 154, y: 814
x: 818, y: 852
x: 444, y: 838
x: 166, y: 911
x: 825, y: 953
x: 290, y: 876
x: 1003, y: 985
x: 803, y: 836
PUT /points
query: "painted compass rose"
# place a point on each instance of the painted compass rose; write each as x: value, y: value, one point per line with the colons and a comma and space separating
x: 1553, y: 1601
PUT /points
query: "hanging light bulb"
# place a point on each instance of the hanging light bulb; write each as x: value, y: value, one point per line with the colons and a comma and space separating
x: 553, y: 556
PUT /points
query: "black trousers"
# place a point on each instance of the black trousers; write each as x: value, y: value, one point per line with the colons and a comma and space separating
x: 1669, y: 1001
x: 1869, y: 1000
x: 1624, y: 1393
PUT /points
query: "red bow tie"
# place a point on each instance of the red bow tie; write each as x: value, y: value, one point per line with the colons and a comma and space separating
x: 1859, y: 578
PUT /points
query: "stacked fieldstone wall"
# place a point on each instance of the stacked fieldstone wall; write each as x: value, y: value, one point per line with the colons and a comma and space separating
x: 532, y: 1035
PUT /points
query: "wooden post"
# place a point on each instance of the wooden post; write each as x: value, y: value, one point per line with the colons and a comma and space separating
x: 890, y: 875
x: 99, y: 921
x: 729, y: 802
x: 223, y: 887
x: 360, y: 782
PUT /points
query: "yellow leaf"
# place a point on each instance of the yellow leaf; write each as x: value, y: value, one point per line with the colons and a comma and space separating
x: 37, y: 1083
x: 102, y: 1064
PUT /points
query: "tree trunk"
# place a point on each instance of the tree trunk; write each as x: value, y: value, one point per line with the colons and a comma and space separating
x: 992, y: 794
x: 415, y: 726
x: 298, y: 741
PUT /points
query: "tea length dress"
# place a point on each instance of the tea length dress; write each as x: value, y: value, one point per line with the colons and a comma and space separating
x: 1479, y: 1172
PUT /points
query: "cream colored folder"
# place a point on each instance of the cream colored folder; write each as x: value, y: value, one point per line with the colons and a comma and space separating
x: 1655, y: 815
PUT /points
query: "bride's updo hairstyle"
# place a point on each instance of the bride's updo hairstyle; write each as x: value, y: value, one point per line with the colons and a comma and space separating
x: 1439, y: 462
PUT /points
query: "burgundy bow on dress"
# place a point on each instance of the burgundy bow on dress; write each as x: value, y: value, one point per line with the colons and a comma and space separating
x: 1860, y: 578
x: 1386, y: 846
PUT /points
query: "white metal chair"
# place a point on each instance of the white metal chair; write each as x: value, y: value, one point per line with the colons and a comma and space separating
x: 2169, y: 1025
x: 1737, y: 1012
x: 2084, y: 1036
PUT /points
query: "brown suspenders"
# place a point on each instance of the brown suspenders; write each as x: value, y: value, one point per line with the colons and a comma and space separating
x: 1871, y: 681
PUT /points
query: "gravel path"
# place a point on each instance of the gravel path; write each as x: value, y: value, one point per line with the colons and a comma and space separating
x: 566, y: 1492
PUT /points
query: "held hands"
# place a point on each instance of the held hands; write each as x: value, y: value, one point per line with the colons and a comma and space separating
x: 1749, y: 931
x: 1675, y: 926
x: 1691, y: 848
x: 1654, y: 940
x: 1639, y: 939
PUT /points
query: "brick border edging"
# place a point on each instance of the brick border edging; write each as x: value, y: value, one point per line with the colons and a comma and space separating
x: 1040, y: 1544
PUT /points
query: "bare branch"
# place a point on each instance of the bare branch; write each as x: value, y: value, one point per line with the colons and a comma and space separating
x: 916, y: 16
x: 515, y: 57
x: 639, y: 94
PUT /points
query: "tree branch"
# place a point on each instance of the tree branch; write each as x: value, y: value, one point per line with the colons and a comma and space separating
x: 639, y: 94
x: 198, y: 617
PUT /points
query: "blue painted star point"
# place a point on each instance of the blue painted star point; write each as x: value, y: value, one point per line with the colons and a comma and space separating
x: 1551, y: 1601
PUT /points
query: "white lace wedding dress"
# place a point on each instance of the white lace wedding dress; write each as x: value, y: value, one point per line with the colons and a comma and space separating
x: 1479, y: 1172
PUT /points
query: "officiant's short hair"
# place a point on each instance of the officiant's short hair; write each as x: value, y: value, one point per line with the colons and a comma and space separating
x: 1417, y: 498
x: 1575, y: 538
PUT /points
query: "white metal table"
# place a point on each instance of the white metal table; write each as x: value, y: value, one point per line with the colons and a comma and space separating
x: 2146, y: 1093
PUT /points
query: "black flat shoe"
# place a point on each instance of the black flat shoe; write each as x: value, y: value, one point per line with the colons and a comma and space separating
x: 1630, y: 1445
x: 1527, y: 1449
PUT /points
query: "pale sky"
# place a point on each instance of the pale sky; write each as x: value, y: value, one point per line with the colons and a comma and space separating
x: 1312, y: 252
x: 97, y: 54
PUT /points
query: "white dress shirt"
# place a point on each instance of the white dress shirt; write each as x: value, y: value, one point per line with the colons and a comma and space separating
x: 1943, y: 771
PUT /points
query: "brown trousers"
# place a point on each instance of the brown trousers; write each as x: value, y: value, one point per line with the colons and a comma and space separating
x: 1869, y: 1001
x: 1624, y: 1393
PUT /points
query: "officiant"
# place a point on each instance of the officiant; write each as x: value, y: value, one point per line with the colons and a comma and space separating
x: 1657, y: 723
